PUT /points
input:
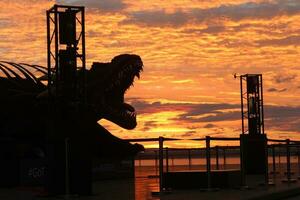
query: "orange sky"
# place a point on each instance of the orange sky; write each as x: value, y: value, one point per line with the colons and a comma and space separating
x: 190, y: 49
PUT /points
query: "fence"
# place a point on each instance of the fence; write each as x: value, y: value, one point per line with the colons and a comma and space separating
x: 279, y: 148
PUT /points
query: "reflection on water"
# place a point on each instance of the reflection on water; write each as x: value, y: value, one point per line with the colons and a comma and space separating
x: 145, y: 171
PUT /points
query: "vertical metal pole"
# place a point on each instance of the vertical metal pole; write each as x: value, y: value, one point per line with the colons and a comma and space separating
x: 208, y: 166
x: 189, y: 157
x: 172, y: 160
x: 48, y: 52
x: 161, y: 162
x: 83, y: 37
x: 279, y: 159
x: 288, y: 160
x: 242, y: 167
x: 224, y: 157
x: 217, y: 157
x: 57, y: 74
x: 262, y: 106
x: 248, y: 105
x: 167, y: 159
x: 273, y: 157
x: 242, y: 103
x: 83, y: 54
x: 257, y: 96
x: 156, y: 169
x: 266, y: 162
x: 298, y: 156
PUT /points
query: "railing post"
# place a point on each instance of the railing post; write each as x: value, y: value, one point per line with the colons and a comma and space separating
x: 298, y: 156
x: 172, y: 159
x: 266, y: 163
x: 242, y: 167
x: 279, y: 158
x: 189, y: 156
x: 208, y: 167
x: 156, y: 158
x: 288, y: 160
x: 167, y: 159
x: 273, y: 159
x: 161, y: 162
x: 224, y: 158
x: 217, y: 157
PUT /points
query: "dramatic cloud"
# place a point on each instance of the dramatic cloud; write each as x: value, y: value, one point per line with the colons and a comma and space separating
x: 208, y: 30
x: 277, y: 117
x: 293, y: 40
x: 284, y: 78
x: 189, y: 134
x: 103, y: 5
x: 5, y: 22
x: 190, y: 50
x: 209, y: 126
x: 148, y: 125
x: 234, y: 12
x: 282, y: 118
x: 193, y: 109
x: 250, y: 10
x: 157, y: 18
x: 277, y: 90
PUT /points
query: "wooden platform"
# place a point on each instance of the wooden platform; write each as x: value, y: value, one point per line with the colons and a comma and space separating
x: 198, y: 179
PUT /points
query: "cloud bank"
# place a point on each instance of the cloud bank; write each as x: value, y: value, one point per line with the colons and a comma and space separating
x: 234, y: 12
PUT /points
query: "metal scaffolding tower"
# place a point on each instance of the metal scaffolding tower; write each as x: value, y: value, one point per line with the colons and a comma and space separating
x: 66, y: 52
x: 252, y: 104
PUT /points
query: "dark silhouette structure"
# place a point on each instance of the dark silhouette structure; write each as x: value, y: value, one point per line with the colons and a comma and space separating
x: 66, y: 51
x: 35, y: 125
x: 49, y: 130
x: 253, y: 138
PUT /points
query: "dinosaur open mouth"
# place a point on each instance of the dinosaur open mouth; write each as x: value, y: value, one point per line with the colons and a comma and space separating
x: 120, y: 112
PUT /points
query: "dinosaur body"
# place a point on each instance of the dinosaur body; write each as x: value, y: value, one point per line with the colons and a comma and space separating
x: 25, y: 114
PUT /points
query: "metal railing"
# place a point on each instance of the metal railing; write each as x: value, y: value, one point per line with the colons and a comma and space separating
x: 163, y: 153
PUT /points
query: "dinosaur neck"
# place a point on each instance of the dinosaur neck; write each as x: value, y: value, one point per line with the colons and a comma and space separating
x: 95, y: 93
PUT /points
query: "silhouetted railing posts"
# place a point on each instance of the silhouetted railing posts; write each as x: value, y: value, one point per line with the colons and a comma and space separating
x: 167, y: 159
x: 266, y: 163
x: 273, y: 159
x: 156, y: 158
x: 172, y: 161
x: 161, y: 162
x: 224, y: 158
x: 279, y: 159
x: 298, y: 159
x: 217, y: 157
x: 208, y: 139
x: 208, y: 166
x: 242, y: 167
x: 189, y: 156
x: 288, y: 160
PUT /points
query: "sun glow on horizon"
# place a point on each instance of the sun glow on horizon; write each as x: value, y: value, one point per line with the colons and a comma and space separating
x: 190, y: 51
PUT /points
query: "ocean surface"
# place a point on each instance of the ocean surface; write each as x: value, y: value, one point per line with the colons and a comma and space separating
x: 146, y: 171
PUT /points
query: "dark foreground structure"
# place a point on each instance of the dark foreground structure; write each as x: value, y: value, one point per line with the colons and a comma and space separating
x: 253, y: 148
x: 49, y: 131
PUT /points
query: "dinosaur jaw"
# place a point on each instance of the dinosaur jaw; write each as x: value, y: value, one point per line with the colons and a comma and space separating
x: 116, y: 110
x: 125, y: 117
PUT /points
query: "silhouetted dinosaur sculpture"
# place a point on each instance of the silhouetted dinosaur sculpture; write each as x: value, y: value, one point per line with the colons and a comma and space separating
x: 25, y: 114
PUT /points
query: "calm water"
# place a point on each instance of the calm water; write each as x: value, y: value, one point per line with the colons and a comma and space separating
x: 146, y: 170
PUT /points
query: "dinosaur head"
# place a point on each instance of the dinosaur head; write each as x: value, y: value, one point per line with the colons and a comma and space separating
x: 112, y: 80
